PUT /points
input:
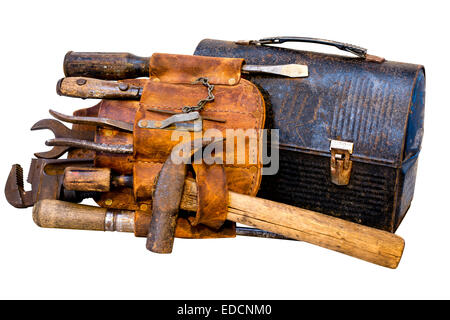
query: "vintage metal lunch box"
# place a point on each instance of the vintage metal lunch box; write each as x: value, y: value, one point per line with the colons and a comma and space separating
x: 350, y: 133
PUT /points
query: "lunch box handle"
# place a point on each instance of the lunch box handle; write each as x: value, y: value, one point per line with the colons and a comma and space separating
x: 358, y: 51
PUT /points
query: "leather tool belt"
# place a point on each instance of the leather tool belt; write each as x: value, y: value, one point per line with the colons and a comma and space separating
x: 174, y: 84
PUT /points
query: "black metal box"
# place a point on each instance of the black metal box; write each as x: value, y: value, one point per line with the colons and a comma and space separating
x: 350, y: 132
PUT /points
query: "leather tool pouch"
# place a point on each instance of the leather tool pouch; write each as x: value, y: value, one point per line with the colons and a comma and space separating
x: 172, y: 85
x: 350, y: 132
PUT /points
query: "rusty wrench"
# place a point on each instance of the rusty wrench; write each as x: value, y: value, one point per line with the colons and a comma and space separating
x: 61, y: 132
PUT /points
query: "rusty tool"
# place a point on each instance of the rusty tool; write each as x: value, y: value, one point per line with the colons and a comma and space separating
x: 116, y: 124
x: 68, y: 143
x: 66, y: 138
x: 117, y: 66
x: 61, y: 132
x: 45, y: 177
x: 93, y: 121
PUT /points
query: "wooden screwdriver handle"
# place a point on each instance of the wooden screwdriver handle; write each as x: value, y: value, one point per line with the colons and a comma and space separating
x: 369, y: 244
x: 89, y: 88
x: 107, y: 66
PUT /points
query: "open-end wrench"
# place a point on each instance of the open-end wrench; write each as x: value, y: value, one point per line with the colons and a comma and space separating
x: 61, y: 132
x: 66, y: 138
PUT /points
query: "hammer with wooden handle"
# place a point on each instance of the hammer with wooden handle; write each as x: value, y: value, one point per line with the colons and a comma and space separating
x: 366, y: 243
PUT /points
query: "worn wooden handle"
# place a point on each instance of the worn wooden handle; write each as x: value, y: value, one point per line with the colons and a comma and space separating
x: 369, y: 244
x: 89, y: 88
x: 66, y: 215
x: 87, y: 179
x: 94, y: 179
x: 107, y: 66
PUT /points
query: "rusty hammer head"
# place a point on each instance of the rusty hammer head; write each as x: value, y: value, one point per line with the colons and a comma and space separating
x: 167, y: 198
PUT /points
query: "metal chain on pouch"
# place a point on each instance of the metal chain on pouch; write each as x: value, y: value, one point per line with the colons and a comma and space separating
x: 201, y: 103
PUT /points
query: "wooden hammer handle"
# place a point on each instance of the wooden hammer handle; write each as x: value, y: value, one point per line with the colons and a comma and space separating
x: 369, y: 244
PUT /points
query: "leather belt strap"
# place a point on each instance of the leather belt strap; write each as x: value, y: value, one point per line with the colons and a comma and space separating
x: 212, y: 195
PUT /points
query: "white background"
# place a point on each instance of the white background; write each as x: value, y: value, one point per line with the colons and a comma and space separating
x: 47, y: 263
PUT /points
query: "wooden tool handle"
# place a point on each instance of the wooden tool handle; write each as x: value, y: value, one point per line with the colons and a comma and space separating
x: 369, y: 244
x: 87, y: 179
x: 107, y: 66
x: 66, y: 215
x: 88, y: 88
x: 94, y: 179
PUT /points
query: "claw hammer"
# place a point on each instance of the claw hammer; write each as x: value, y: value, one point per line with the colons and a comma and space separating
x: 366, y: 243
